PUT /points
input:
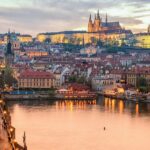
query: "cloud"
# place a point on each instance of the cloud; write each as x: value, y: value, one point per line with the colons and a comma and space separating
x: 34, y: 16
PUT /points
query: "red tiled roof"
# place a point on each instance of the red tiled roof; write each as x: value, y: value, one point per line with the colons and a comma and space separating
x: 30, y: 74
x: 78, y: 87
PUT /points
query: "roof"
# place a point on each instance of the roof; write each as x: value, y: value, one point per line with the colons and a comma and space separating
x: 111, y: 24
x: 31, y: 74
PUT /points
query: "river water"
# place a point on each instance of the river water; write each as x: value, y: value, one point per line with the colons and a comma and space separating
x: 79, y: 125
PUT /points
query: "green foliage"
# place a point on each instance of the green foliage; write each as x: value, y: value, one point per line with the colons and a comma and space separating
x: 71, y: 47
x: 81, y: 80
x: 76, y: 79
x: 8, y: 77
x: 72, y: 79
x: 51, y: 92
x: 142, y: 85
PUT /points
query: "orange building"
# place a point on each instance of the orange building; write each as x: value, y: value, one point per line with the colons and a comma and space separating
x: 36, y: 53
x: 36, y: 80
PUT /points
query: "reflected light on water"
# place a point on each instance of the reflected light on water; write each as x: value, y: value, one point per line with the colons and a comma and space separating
x: 70, y: 105
x: 121, y: 106
x: 78, y: 125
x: 137, y: 109
x: 113, y: 105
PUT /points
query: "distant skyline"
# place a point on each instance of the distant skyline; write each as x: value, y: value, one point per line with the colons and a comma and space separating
x: 36, y: 16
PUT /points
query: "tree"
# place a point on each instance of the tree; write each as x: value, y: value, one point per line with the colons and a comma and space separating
x: 72, y: 79
x: 8, y: 77
x: 1, y: 79
x: 81, y: 80
x: 142, y: 85
x: 47, y: 40
x: 51, y: 92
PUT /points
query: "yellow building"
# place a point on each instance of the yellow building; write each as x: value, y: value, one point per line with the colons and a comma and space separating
x: 42, y: 37
x: 143, y: 40
x: 24, y: 38
x: 132, y: 77
x: 77, y: 38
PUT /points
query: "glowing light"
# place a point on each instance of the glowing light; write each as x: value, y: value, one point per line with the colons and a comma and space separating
x: 137, y: 109
x: 121, y: 106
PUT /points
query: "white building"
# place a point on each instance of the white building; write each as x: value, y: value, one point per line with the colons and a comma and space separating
x: 101, y: 83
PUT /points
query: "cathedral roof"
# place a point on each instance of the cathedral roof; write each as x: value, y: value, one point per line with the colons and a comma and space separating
x: 110, y: 24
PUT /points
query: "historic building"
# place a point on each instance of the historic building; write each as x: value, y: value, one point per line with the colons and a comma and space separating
x: 36, y: 79
x: 97, y: 30
x: 25, y: 38
x: 143, y: 39
x: 99, y: 26
x: 148, y: 29
x: 9, y: 55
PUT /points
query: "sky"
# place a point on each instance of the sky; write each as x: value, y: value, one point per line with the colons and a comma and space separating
x: 37, y: 16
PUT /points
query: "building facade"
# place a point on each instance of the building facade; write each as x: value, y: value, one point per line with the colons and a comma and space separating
x: 98, y: 25
x: 36, y: 80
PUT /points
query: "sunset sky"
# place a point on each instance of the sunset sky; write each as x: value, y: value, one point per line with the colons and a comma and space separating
x: 35, y: 16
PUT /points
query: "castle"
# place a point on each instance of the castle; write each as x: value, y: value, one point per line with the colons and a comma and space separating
x: 99, y: 26
x: 97, y: 30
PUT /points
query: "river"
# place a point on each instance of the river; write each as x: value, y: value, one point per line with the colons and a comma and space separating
x: 79, y: 125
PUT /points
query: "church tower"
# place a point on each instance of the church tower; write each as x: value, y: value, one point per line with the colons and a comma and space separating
x: 106, y: 21
x: 97, y: 23
x: 90, y: 25
x: 148, y: 29
x: 9, y: 56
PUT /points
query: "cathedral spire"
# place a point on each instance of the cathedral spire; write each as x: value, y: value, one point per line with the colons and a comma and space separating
x: 98, y: 15
x: 95, y: 17
x: 90, y: 19
x: 8, y: 36
x: 106, y: 19
x: 149, y: 29
x: 83, y: 42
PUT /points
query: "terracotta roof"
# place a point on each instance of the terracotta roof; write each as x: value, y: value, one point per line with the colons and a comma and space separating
x: 31, y: 74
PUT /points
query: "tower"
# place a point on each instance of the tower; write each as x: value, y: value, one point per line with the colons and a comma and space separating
x: 106, y: 21
x: 9, y: 56
x: 97, y: 23
x: 148, y: 29
x: 83, y: 42
x: 90, y: 25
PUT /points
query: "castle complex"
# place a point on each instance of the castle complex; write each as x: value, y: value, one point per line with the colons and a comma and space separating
x: 97, y: 30
x: 99, y: 26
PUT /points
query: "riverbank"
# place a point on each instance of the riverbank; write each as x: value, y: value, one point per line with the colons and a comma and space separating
x: 91, y: 96
x: 7, y: 136
x: 36, y: 96
x: 122, y: 97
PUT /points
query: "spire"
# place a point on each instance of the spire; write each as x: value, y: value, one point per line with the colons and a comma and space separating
x: 106, y: 19
x: 149, y: 29
x: 8, y: 31
x: 8, y: 36
x: 9, y: 45
x: 90, y: 19
x: 95, y: 17
x: 98, y: 15
x: 83, y: 42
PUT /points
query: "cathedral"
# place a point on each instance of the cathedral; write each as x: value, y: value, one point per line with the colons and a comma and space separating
x: 99, y: 26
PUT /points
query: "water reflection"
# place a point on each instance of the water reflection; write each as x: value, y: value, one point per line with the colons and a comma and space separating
x: 68, y: 124
x: 77, y: 104
x: 112, y: 105
x: 107, y: 104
